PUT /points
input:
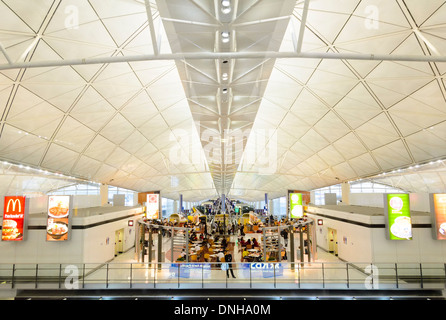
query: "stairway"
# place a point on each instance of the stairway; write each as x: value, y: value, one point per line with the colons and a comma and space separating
x: 179, y: 243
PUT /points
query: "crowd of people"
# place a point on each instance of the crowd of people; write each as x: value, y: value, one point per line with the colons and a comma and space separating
x: 216, y: 241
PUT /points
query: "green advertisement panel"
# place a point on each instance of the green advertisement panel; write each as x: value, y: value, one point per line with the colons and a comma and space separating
x: 296, y: 207
x: 398, y: 220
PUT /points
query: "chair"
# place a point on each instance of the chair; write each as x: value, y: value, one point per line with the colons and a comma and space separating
x: 206, y: 257
x: 249, y: 246
x: 193, y: 258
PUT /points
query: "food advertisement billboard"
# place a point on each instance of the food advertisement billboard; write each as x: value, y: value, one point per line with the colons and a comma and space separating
x: 14, y: 214
x: 397, y: 216
x: 296, y: 207
x: 153, y: 206
x: 58, y: 219
x: 438, y: 210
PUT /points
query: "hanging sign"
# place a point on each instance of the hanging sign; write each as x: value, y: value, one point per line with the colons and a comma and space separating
x: 296, y: 207
x: 14, y: 213
x: 153, y: 206
x: 397, y: 216
x: 438, y: 211
x: 58, y: 218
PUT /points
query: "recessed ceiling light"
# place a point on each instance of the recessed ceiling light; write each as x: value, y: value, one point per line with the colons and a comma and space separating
x: 226, y: 6
x: 224, y: 76
x: 225, y: 36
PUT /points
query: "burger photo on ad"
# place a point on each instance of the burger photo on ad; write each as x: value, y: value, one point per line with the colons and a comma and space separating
x: 10, y: 231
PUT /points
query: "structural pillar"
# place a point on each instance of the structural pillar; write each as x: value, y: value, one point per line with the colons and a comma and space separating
x: 103, y: 191
x: 149, y: 245
x: 160, y: 248
x: 223, y: 211
x: 279, y: 244
x: 292, y: 256
x: 266, y: 203
x: 223, y: 203
x: 345, y: 188
x: 181, y: 204
x: 143, y: 242
x: 302, y: 249
x: 308, y: 242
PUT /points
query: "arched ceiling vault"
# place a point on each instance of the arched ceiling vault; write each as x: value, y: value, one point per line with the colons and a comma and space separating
x: 193, y: 97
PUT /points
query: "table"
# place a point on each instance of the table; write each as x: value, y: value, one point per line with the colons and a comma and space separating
x: 253, y: 257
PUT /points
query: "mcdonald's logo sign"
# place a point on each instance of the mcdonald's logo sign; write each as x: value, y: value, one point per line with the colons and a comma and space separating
x: 14, y: 204
x: 13, y: 218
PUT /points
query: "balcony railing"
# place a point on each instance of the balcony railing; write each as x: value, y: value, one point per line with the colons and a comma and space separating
x: 273, y: 275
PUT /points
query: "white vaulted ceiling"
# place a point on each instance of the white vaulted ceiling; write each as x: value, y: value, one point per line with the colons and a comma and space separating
x: 145, y: 123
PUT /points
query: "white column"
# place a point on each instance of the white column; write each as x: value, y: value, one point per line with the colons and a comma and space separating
x: 103, y: 190
x: 345, y: 188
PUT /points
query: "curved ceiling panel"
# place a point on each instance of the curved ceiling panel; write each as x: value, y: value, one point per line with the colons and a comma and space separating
x: 118, y: 93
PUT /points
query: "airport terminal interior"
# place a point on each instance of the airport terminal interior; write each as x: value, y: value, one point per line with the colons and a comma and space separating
x: 280, y: 149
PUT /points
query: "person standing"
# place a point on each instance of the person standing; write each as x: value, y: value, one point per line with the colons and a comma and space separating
x: 220, y: 257
x: 285, y: 236
x: 228, y: 260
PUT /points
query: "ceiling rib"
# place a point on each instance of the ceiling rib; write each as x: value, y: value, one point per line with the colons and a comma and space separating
x: 225, y: 55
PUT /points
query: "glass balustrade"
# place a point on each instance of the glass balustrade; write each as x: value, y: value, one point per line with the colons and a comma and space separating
x: 273, y: 275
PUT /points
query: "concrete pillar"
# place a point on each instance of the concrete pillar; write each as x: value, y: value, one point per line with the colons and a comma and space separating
x: 103, y: 191
x: 266, y: 204
x: 345, y: 188
x: 135, y: 198
x: 292, y: 248
x: 149, y: 246
x: 302, y: 249
x: 160, y: 249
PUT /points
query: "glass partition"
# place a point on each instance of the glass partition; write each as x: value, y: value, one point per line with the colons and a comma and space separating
x: 142, y: 276
x: 6, y: 273
x: 196, y: 275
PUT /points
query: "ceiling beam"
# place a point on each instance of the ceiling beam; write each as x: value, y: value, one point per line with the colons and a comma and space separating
x: 225, y: 55
x: 2, y: 49
x: 303, y: 23
x: 152, y: 28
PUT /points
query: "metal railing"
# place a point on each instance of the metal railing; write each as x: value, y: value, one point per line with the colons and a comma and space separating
x: 272, y: 275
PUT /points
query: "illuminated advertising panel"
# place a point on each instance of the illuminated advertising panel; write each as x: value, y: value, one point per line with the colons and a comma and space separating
x: 14, y: 212
x: 58, y: 219
x: 438, y: 210
x: 296, y: 207
x: 153, y: 206
x: 397, y: 216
